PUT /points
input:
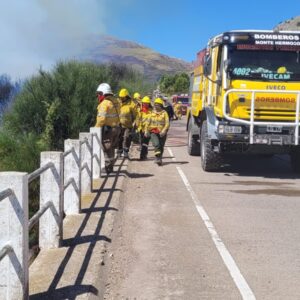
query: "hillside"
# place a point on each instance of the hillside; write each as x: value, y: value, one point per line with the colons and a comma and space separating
x: 152, y: 64
x: 291, y: 24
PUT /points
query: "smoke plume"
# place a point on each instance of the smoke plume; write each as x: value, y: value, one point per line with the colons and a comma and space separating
x: 37, y: 33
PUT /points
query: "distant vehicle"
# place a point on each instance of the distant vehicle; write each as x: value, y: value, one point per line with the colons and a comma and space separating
x: 184, y: 99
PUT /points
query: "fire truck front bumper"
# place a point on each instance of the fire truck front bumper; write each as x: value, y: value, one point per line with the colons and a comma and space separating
x: 262, y: 135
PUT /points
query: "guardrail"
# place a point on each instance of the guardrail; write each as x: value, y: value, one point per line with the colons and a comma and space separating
x: 64, y: 176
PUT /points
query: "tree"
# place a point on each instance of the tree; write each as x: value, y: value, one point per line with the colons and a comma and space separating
x: 178, y: 83
x: 182, y: 83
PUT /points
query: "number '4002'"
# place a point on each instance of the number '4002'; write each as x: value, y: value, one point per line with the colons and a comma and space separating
x: 241, y: 71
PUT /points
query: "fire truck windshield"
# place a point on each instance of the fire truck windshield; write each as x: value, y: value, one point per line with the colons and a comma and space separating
x: 183, y: 100
x: 268, y: 65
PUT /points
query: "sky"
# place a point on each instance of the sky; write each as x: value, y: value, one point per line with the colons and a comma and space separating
x: 37, y: 33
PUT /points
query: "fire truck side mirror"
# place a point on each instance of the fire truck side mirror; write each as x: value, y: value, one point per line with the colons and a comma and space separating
x: 227, y: 69
x: 227, y: 66
x: 207, y: 66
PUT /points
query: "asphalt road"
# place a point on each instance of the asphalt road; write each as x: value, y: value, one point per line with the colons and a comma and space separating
x: 187, y: 234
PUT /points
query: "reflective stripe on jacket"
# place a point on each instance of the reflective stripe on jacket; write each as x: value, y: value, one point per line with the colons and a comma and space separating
x: 142, y: 118
x: 158, y: 120
x: 108, y: 112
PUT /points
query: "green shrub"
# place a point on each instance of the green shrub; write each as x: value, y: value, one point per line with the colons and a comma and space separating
x: 58, y: 105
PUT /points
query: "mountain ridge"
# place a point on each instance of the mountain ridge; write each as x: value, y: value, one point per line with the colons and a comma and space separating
x: 292, y: 24
x: 152, y: 64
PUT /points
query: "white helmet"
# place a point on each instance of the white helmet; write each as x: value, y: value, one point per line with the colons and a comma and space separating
x: 104, y: 88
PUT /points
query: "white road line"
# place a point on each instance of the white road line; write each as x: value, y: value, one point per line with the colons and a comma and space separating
x: 171, y: 154
x: 228, y: 260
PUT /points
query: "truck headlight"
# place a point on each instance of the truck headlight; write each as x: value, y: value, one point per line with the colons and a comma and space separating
x: 221, y: 129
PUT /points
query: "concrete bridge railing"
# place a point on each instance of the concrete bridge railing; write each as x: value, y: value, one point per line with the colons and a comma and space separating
x: 64, y: 177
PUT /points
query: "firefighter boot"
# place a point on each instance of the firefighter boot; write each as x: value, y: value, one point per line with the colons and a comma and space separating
x: 126, y: 153
x: 158, y: 160
x: 109, y: 169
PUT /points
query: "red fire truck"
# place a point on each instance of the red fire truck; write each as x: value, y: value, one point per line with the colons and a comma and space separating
x: 184, y: 99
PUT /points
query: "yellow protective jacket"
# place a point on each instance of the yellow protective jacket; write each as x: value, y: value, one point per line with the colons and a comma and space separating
x: 142, y: 118
x: 158, y: 121
x: 128, y: 113
x: 137, y: 103
x: 108, y: 112
x: 177, y: 109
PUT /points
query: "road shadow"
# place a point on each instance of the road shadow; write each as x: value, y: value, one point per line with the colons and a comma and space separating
x: 274, y: 167
x: 68, y: 292
x: 125, y: 173
x: 78, y: 288
x: 135, y: 175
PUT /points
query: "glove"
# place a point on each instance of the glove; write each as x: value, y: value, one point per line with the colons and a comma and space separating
x: 163, y: 133
x: 155, y: 130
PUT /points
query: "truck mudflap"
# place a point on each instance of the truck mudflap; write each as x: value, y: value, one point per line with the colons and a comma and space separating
x: 254, y: 138
x: 211, y: 123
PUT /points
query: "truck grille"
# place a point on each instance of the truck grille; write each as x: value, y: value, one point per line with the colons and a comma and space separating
x: 267, y: 113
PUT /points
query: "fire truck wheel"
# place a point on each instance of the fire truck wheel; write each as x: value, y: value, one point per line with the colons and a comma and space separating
x: 295, y: 160
x: 193, y: 144
x: 210, y: 160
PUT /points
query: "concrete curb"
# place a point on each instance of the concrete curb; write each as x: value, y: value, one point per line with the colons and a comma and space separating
x: 117, y: 228
x: 101, y: 280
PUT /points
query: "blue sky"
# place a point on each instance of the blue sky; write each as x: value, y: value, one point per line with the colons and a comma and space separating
x: 36, y: 33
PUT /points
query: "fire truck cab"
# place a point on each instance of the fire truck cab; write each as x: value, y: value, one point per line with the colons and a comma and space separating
x: 245, y: 91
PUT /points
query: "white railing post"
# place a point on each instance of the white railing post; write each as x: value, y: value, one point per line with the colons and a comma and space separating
x: 96, y: 131
x: 86, y: 162
x: 14, y: 229
x: 51, y: 190
x: 72, y: 184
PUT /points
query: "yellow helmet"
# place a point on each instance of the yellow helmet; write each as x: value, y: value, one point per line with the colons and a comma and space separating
x: 123, y: 93
x: 146, y: 99
x: 136, y: 96
x: 159, y: 101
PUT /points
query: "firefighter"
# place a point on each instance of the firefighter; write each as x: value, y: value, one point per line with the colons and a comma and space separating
x: 141, y: 120
x: 108, y: 118
x: 156, y: 128
x: 127, y: 117
x: 137, y: 98
x: 169, y: 109
x: 178, y: 109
